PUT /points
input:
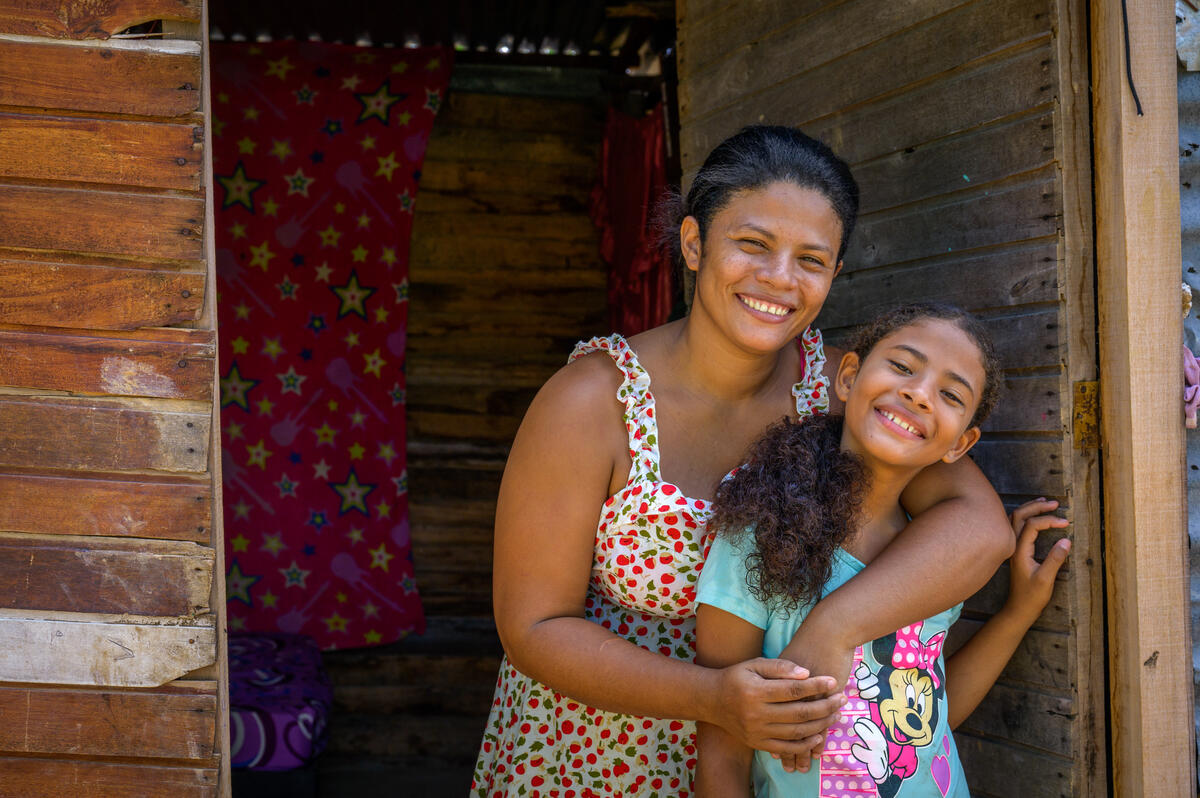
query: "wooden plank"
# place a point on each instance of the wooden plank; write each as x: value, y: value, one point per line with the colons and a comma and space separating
x: 96, y: 295
x: 1073, y: 151
x: 974, y: 95
x: 1145, y: 500
x: 103, y: 435
x: 1030, y: 717
x: 118, y: 366
x: 115, y: 151
x: 106, y: 222
x: 1041, y: 658
x: 1029, y: 403
x: 991, y: 598
x: 82, y: 20
x: 531, y: 228
x: 1031, y: 340
x: 499, y: 251
x: 139, y: 78
x: 715, y: 36
x: 54, y: 778
x: 38, y: 649
x: 1024, y: 467
x: 903, y: 44
x: 1001, y: 769
x: 497, y: 179
x: 956, y: 163
x: 46, y: 504
x: 1017, y: 211
x: 169, y: 722
x: 513, y: 146
x: 1008, y: 275
x: 522, y: 202
x: 485, y: 112
x: 108, y: 575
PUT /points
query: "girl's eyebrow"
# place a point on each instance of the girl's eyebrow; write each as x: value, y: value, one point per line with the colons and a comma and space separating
x: 954, y: 375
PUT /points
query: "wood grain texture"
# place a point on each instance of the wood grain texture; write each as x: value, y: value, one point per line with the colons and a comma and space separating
x: 113, y: 151
x: 40, y: 649
x: 147, y: 434
x: 80, y: 19
x: 137, y: 78
x: 995, y: 768
x: 137, y: 365
x: 136, y: 507
x: 106, y: 575
x: 97, y: 295
x: 170, y: 722
x: 1145, y: 502
x: 104, y: 222
x: 54, y: 778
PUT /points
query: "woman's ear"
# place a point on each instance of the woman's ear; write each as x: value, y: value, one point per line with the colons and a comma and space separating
x: 847, y: 371
x: 962, y: 445
x: 689, y: 242
x: 838, y: 270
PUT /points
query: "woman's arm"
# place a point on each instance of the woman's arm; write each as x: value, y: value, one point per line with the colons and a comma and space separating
x: 723, y: 763
x: 974, y: 668
x: 558, y: 476
x: 957, y: 538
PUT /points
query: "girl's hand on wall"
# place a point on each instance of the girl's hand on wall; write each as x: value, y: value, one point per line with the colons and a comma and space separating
x: 1031, y: 583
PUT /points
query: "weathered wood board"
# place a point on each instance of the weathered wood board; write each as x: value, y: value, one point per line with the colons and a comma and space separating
x: 97, y: 295
x: 53, y: 778
x: 40, y: 649
x: 137, y: 507
x: 84, y: 20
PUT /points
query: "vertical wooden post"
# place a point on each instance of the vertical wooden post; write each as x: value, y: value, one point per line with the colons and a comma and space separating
x: 1138, y: 252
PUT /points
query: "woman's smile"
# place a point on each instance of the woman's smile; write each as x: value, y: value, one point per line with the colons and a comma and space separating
x: 772, y: 309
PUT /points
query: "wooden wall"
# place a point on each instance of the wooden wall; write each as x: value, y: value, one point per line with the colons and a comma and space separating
x: 506, y: 276
x: 108, y: 627
x: 967, y: 127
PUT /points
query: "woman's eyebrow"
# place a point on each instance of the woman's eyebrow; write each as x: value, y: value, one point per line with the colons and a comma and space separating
x: 954, y: 375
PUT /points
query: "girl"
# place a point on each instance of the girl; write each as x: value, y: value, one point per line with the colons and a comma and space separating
x: 600, y: 523
x: 820, y: 499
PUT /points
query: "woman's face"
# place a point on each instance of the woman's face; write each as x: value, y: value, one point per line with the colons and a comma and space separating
x: 766, y: 264
x: 910, y: 402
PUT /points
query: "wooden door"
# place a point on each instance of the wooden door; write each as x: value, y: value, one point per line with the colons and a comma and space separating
x: 111, y: 678
x: 967, y: 126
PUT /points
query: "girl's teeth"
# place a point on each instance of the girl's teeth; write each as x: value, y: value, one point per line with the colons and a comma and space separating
x: 774, y: 310
x: 900, y: 423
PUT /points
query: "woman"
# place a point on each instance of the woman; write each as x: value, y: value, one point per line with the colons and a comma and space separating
x: 596, y: 617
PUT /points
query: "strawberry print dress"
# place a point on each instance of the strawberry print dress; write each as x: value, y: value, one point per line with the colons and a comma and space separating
x: 650, y: 545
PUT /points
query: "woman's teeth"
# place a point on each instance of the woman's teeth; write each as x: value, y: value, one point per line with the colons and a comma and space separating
x: 766, y: 307
x: 901, y: 423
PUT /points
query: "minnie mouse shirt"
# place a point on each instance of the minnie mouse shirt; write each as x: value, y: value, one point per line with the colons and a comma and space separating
x: 893, y: 739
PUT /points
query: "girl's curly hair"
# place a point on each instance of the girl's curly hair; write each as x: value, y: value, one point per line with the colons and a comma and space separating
x: 799, y: 496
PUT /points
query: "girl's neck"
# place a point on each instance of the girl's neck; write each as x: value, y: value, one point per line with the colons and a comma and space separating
x: 881, y: 517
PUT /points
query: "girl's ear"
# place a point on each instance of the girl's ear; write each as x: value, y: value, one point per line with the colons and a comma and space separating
x: 962, y: 445
x: 689, y: 242
x: 847, y: 371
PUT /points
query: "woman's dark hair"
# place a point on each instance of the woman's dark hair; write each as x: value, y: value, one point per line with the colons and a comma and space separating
x: 799, y: 494
x: 757, y: 156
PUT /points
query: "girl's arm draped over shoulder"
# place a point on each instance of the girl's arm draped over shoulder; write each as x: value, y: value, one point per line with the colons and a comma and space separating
x: 957, y: 538
x: 569, y: 451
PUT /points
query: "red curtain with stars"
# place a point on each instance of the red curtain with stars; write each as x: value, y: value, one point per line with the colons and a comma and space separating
x: 317, y: 156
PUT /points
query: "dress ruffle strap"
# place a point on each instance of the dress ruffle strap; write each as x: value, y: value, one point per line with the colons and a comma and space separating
x: 812, y: 392
x: 634, y: 393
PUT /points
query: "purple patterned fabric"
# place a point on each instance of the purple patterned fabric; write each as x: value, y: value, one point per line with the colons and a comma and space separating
x: 279, y: 697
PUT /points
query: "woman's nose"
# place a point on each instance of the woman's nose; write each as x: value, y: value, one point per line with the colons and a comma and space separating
x: 777, y: 270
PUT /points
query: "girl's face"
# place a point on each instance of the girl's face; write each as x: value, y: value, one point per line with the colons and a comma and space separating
x: 910, y: 402
x: 766, y: 264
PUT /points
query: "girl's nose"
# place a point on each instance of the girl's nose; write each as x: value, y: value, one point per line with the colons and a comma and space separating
x: 916, y: 392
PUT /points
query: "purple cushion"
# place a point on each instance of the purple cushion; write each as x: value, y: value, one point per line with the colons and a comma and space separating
x: 279, y: 697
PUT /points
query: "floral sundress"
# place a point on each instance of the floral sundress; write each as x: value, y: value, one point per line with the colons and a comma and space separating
x: 650, y: 545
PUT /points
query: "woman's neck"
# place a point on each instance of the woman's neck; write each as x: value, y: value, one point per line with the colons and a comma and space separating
x: 709, y: 363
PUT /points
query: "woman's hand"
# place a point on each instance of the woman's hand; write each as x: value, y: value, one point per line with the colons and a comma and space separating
x: 1032, y: 583
x: 773, y: 705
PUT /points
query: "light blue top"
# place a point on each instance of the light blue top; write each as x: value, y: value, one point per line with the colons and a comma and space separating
x: 882, y: 746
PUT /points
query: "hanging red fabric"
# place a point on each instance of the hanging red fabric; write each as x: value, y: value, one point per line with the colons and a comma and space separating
x: 633, y: 177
